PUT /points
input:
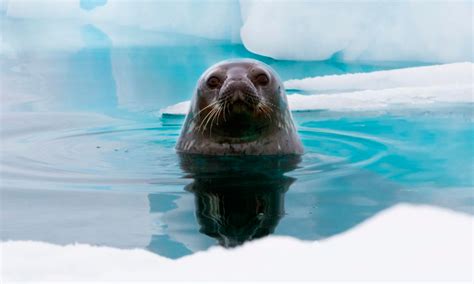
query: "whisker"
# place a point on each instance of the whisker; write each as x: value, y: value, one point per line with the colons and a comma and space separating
x: 265, y: 109
x: 216, y: 115
x: 210, y: 105
x: 267, y: 114
x: 205, y: 119
x: 225, y: 105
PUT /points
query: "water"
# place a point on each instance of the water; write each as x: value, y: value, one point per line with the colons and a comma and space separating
x: 86, y: 158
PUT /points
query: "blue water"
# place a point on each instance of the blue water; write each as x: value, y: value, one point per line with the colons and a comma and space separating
x: 86, y: 157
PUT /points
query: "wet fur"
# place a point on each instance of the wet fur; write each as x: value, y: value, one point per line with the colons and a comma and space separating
x: 241, y: 116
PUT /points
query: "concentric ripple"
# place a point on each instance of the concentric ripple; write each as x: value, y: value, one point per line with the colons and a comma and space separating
x: 123, y: 153
x: 79, y: 174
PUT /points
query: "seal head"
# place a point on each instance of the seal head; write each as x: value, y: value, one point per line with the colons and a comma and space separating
x: 239, y: 108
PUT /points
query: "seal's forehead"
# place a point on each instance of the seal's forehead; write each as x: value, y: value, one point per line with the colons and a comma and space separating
x: 237, y: 67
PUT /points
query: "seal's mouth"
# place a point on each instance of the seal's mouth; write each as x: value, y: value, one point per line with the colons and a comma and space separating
x: 240, y: 102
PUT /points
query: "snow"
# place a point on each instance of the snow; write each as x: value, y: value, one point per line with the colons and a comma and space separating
x: 379, y: 100
x: 434, y: 75
x: 177, y: 109
x: 406, y: 242
x: 423, y: 31
x: 414, y: 87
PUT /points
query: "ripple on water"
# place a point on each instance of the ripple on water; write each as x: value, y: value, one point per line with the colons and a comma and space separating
x: 328, y: 150
x: 72, y: 151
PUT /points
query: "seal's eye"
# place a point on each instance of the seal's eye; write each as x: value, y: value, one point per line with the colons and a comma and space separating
x: 213, y: 82
x: 262, y: 79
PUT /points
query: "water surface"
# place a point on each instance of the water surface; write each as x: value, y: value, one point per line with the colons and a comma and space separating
x: 87, y: 158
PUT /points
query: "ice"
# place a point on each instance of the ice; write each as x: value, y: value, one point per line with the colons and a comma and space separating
x: 434, y: 75
x: 177, y: 109
x: 44, y: 9
x: 37, y: 25
x: 414, y: 87
x: 207, y: 19
x: 420, y: 31
x: 91, y: 4
x: 417, y: 243
x: 423, y: 31
x: 368, y: 100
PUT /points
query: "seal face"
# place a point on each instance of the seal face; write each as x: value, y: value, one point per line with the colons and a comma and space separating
x: 239, y: 108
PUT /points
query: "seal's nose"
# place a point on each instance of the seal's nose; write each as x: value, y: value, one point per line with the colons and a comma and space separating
x: 237, y: 89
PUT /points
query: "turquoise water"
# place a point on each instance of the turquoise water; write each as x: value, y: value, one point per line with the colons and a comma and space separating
x: 86, y: 157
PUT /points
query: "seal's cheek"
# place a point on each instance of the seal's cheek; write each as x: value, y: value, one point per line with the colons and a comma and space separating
x: 206, y: 95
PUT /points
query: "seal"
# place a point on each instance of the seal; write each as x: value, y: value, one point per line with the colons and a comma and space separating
x: 239, y: 108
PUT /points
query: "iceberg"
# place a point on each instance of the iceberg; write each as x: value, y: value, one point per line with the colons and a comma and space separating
x: 405, y: 242
x: 414, y: 87
x: 422, y: 31
x: 207, y: 19
x: 362, y: 31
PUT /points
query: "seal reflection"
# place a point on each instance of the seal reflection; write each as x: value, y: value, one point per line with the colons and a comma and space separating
x: 238, y: 199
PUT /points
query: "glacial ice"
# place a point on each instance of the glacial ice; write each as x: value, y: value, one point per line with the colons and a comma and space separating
x: 420, y: 31
x: 207, y: 19
x: 436, y: 245
x: 414, y: 87
x: 424, y: 31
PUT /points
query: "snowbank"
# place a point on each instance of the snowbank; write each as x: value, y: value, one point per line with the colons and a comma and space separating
x: 414, y: 87
x: 426, y: 76
x: 402, y: 243
x: 379, y: 100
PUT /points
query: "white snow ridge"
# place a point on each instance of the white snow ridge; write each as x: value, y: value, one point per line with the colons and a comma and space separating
x: 414, y: 87
x: 416, y: 243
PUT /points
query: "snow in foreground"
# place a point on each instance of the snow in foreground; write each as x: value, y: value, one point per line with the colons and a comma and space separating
x: 402, y: 243
x: 414, y: 87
